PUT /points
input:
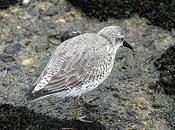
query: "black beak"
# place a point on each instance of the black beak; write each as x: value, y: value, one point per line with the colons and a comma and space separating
x: 125, y: 44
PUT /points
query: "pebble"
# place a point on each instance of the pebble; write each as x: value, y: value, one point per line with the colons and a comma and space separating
x: 6, y: 57
x: 51, y: 11
x: 25, y: 2
x: 62, y: 20
x: 67, y: 35
x: 51, y: 25
x: 40, y: 48
x: 2, y: 65
x: 28, y: 62
x: 159, y: 101
x: 13, y: 68
x: 33, y: 11
x: 67, y: 7
x: 148, y: 43
x: 54, y: 39
x: 12, y: 48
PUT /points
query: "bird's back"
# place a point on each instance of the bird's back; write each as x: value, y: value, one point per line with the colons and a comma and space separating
x: 79, y: 61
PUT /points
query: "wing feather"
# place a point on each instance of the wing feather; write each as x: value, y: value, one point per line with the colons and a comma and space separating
x: 71, y: 68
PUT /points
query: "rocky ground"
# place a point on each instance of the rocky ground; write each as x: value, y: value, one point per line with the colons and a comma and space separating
x: 30, y: 33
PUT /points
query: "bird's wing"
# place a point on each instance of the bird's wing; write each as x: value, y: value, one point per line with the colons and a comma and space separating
x: 67, y: 70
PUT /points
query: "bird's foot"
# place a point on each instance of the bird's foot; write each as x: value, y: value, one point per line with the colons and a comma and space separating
x: 82, y: 119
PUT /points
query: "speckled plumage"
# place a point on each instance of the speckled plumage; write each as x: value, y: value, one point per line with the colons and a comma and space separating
x: 79, y: 64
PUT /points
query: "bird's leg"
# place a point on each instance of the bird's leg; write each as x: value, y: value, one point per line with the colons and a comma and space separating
x: 87, y: 102
x: 76, y: 112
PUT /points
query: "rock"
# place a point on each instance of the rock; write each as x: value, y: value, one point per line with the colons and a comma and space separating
x: 28, y: 62
x: 67, y: 35
x: 166, y: 66
x: 67, y: 7
x: 26, y: 2
x: 159, y: 101
x: 51, y: 11
x: 40, y: 48
x: 12, y: 48
x: 2, y: 65
x: 6, y: 57
x: 171, y: 116
x: 51, y: 25
x: 13, y: 68
x: 32, y: 11
x: 148, y: 43
x: 54, y: 39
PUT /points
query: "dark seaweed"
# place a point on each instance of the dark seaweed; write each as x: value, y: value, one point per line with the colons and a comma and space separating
x: 166, y: 66
x: 21, y: 118
x: 158, y: 12
x: 6, y: 3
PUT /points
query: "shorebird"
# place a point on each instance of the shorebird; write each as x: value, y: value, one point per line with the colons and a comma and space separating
x: 79, y: 65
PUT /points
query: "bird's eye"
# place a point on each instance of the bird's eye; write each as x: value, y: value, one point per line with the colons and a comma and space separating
x: 122, y: 39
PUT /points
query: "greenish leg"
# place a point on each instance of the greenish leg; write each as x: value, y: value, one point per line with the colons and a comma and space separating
x: 87, y: 103
x: 76, y: 112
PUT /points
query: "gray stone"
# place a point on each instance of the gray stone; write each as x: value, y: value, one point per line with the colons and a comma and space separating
x: 51, y: 11
x: 12, y: 48
x: 33, y: 11
x: 6, y: 57
x: 147, y: 43
x: 51, y: 25
x: 13, y: 68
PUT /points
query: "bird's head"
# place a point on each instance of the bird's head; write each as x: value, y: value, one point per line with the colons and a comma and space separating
x: 115, y: 35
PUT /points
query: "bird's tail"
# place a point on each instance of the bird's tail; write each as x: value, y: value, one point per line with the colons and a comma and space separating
x: 33, y: 96
x: 30, y: 96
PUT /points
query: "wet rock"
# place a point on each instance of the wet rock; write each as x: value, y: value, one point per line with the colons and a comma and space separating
x: 12, y: 48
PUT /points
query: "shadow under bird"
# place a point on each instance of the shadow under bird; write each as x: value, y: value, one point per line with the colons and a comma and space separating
x: 79, y: 65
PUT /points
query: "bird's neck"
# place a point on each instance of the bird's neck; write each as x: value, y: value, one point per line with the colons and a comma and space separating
x: 117, y: 46
x: 115, y: 49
